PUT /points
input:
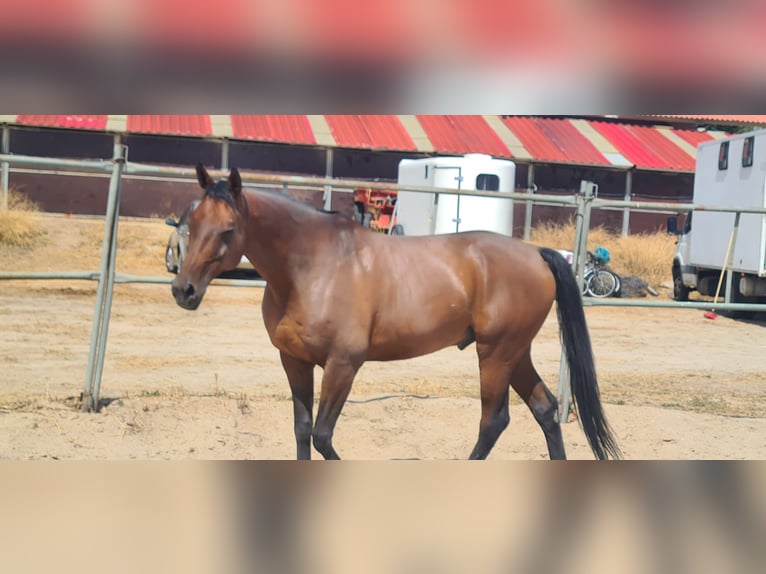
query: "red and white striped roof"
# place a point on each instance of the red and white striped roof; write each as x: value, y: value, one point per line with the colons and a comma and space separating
x: 562, y: 140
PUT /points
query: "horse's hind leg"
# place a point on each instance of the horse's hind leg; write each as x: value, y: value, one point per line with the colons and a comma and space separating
x: 495, y: 377
x: 530, y: 387
x: 336, y: 385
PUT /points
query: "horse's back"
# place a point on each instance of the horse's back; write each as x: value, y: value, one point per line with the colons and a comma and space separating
x: 461, y: 260
x: 487, y: 255
x: 509, y: 274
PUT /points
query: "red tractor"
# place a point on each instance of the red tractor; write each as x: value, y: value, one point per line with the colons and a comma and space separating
x: 376, y: 209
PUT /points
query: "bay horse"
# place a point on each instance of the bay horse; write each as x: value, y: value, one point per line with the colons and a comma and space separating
x: 338, y: 294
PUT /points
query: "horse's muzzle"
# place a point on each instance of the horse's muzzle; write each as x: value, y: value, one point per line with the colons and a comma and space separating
x: 186, y: 295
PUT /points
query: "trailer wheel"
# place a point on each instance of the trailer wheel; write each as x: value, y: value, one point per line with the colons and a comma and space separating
x: 737, y: 297
x: 397, y: 229
x: 680, y: 291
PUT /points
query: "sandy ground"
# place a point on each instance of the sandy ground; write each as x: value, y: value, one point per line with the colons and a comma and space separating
x: 208, y: 384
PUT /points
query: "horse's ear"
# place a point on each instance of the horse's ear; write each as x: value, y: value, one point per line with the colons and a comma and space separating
x: 235, y: 182
x: 203, y: 177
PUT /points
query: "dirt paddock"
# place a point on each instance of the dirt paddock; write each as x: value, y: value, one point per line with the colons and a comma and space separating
x: 209, y: 385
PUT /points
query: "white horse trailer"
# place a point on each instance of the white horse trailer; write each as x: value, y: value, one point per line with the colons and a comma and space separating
x: 431, y: 213
x: 730, y: 172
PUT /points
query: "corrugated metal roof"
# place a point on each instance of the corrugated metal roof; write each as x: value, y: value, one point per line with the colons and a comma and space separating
x: 721, y: 119
x: 645, y: 147
x: 693, y: 137
x: 71, y: 121
x: 371, y: 132
x: 186, y: 125
x: 553, y: 139
x: 462, y: 135
x: 273, y: 128
x: 547, y: 139
x: 672, y: 155
x: 576, y: 147
x: 534, y: 140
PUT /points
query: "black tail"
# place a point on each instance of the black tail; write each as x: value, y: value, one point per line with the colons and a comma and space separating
x: 576, y: 342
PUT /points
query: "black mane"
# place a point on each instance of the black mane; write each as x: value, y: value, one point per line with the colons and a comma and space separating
x: 220, y: 190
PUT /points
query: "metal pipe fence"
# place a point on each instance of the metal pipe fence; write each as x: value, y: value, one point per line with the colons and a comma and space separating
x: 118, y: 167
x: 119, y: 278
x: 320, y: 183
x: 105, y: 291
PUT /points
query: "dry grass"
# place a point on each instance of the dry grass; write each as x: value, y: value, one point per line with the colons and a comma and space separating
x: 648, y: 256
x: 140, y: 245
x: 685, y: 390
x: 19, y: 224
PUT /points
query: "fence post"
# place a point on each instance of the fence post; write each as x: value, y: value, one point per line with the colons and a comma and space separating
x: 90, y: 396
x: 531, y: 188
x: 5, y: 168
x: 582, y: 225
x: 730, y: 259
x: 225, y: 154
x: 328, y: 174
x: 589, y: 190
x: 628, y: 196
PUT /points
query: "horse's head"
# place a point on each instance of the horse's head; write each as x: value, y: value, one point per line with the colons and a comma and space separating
x: 216, y: 237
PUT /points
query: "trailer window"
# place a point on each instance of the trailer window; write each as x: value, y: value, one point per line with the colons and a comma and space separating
x: 747, y: 151
x: 487, y: 182
x: 723, y: 156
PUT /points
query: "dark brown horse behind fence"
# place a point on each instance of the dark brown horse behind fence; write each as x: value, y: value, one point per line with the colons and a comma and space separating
x: 338, y: 295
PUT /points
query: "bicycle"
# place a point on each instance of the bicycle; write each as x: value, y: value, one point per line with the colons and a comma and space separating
x: 598, y: 280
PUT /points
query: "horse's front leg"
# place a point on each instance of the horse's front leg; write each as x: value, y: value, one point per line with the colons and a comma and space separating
x: 336, y: 384
x: 301, y: 378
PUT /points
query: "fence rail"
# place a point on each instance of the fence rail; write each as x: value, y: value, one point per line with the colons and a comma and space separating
x: 345, y: 185
x: 706, y: 305
x: 118, y: 167
x: 119, y: 278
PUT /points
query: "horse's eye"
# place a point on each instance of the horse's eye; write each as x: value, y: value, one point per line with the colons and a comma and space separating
x: 227, y: 235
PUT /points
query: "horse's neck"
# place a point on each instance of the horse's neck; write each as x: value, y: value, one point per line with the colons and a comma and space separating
x: 279, y: 232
